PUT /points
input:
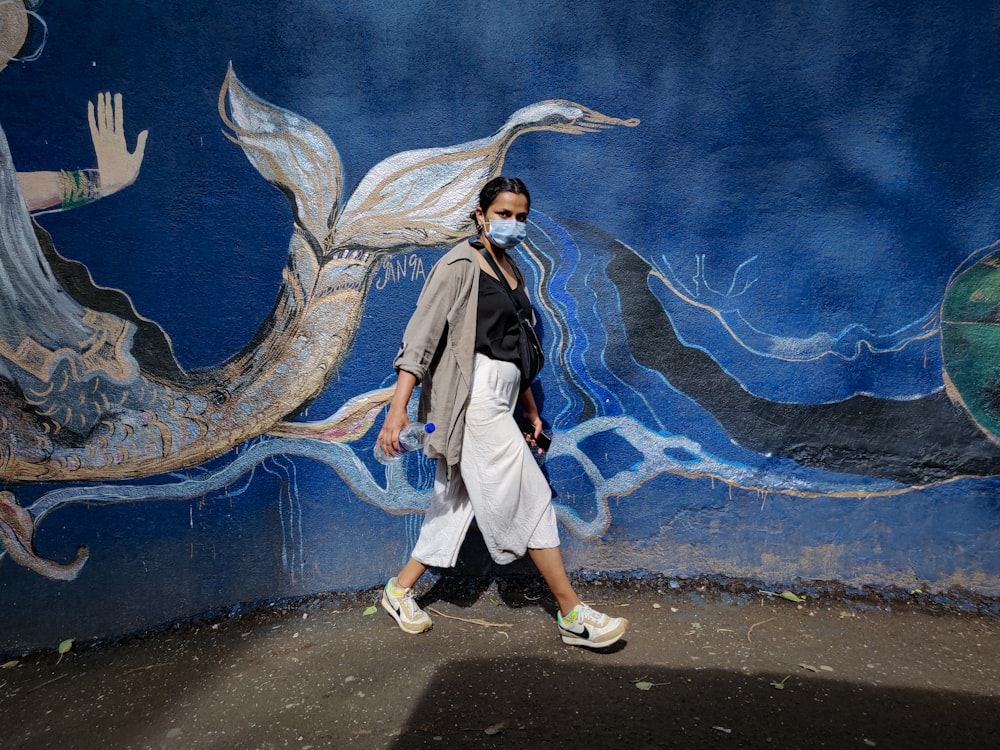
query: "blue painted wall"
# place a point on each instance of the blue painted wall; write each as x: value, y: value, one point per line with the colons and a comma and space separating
x: 741, y: 294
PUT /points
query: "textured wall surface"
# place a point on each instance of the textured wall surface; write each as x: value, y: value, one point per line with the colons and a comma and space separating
x: 761, y: 251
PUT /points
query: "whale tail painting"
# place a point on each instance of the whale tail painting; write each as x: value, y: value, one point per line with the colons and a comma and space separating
x: 90, y: 390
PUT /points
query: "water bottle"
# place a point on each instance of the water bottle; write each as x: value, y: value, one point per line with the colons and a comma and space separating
x: 412, y: 438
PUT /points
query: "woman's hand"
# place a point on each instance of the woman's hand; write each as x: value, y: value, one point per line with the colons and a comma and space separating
x: 117, y: 166
x: 396, y: 419
x: 388, y: 437
x: 531, y: 434
x: 530, y: 416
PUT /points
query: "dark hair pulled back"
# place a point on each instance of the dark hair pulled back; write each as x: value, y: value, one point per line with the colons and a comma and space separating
x: 498, y: 185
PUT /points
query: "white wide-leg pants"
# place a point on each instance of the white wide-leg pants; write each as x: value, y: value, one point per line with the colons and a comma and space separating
x: 498, y: 483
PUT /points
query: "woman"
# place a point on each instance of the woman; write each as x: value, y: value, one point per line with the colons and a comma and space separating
x: 461, y: 346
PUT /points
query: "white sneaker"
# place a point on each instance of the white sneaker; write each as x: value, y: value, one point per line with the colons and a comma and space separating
x: 587, y: 627
x: 400, y: 604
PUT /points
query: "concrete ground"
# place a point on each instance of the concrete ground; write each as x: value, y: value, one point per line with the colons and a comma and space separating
x: 713, y: 665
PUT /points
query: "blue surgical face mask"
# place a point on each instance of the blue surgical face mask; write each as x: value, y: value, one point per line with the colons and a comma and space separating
x: 505, y: 233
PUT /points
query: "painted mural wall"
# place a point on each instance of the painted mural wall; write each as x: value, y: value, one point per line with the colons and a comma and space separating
x: 762, y: 247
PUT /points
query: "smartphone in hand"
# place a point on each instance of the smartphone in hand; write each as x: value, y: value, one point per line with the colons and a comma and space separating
x: 543, y: 441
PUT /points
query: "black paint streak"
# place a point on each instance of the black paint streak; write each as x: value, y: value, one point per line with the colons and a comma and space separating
x: 916, y: 442
x: 151, y: 346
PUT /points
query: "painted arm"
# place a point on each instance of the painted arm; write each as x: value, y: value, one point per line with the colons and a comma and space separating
x: 117, y: 168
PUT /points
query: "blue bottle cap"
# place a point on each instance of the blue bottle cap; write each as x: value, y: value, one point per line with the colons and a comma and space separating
x: 429, y: 427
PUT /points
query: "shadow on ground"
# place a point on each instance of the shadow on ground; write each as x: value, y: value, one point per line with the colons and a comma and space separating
x: 517, y: 584
x: 531, y: 702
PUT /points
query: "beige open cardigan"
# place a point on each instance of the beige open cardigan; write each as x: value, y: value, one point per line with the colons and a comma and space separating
x: 439, y: 347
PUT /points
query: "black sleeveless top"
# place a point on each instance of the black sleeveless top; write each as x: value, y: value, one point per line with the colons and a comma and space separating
x: 497, y: 331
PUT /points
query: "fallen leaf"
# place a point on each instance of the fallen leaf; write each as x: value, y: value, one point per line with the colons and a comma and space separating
x: 825, y: 668
x: 64, y: 648
x: 495, y: 729
x: 371, y: 610
x: 644, y: 684
x: 810, y: 667
x: 780, y: 685
x: 784, y: 595
x: 9, y: 665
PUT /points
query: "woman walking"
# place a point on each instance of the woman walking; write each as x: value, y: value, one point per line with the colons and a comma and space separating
x: 462, y: 346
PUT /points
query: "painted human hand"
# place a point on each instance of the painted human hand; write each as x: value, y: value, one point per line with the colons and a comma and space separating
x: 118, y: 167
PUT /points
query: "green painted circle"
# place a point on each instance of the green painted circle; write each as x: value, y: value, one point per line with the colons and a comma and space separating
x: 970, y: 341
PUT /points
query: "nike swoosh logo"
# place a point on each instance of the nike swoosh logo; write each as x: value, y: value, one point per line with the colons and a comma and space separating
x: 585, y: 634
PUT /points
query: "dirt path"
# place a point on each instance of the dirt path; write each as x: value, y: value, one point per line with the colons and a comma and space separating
x: 702, y: 667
